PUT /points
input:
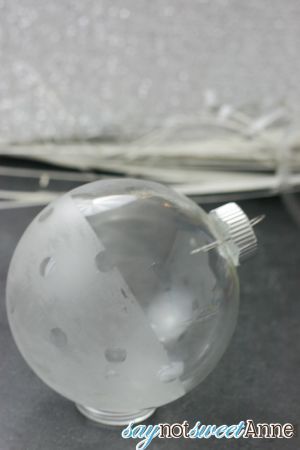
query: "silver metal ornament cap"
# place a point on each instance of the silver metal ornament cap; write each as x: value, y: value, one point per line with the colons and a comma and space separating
x: 237, y: 229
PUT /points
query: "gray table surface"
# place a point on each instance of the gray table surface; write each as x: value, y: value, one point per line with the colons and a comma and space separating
x: 258, y: 377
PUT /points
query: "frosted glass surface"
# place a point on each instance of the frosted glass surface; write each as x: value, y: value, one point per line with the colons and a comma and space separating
x: 107, y: 302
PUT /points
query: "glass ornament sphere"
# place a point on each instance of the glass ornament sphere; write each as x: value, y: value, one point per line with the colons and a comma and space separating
x: 122, y: 295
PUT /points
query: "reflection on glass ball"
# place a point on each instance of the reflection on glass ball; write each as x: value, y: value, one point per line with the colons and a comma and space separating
x: 111, y: 305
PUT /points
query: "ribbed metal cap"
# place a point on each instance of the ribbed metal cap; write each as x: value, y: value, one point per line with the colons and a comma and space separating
x: 238, y: 229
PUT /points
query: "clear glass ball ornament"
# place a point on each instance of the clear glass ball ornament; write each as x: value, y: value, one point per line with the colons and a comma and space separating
x: 122, y: 295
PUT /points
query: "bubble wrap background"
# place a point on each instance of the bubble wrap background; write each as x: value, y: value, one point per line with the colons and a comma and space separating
x: 73, y: 69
